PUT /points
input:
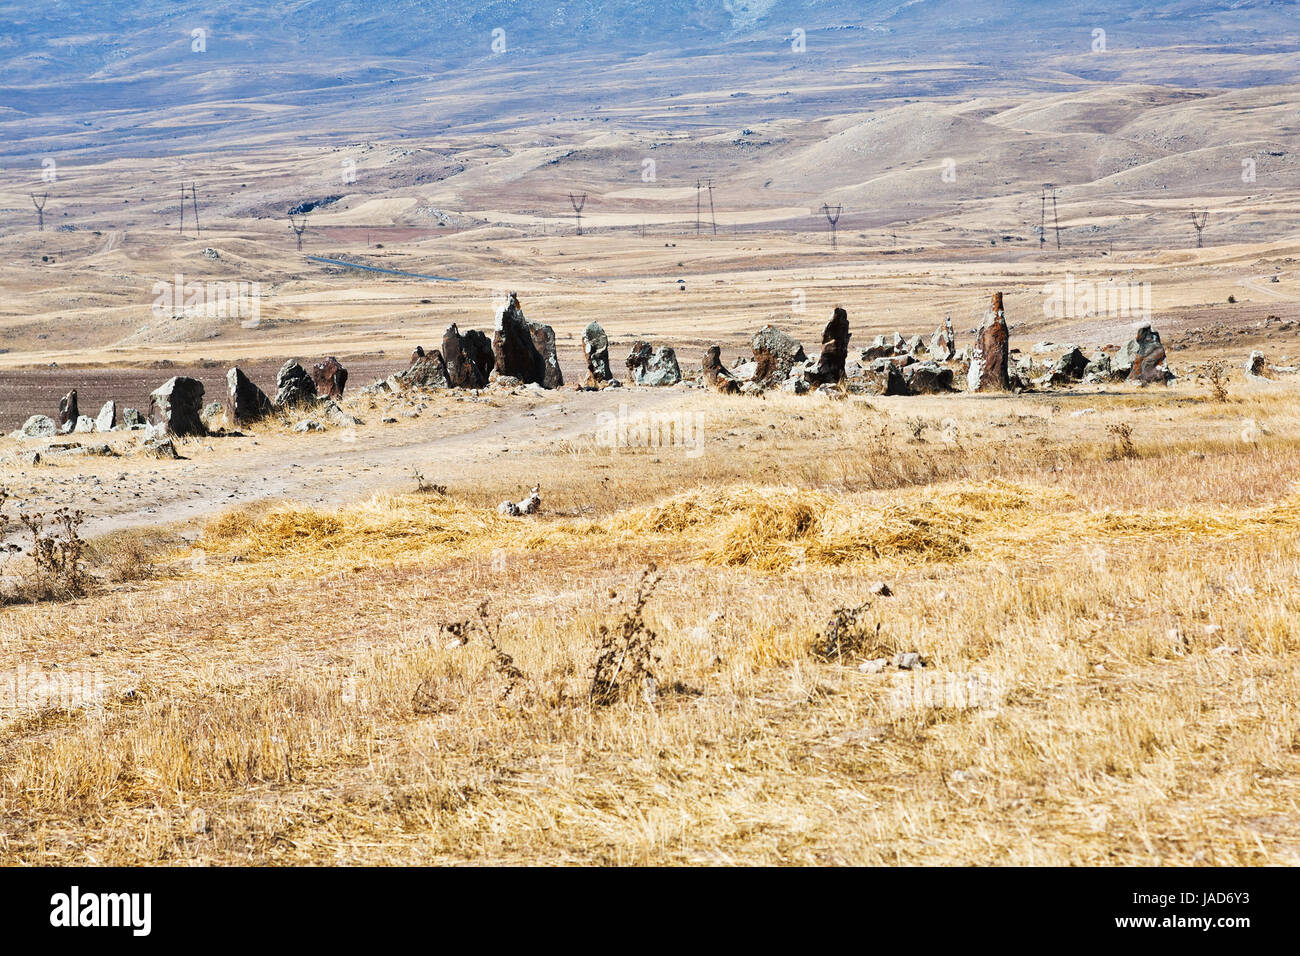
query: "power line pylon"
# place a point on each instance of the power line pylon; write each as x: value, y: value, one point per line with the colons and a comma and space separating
x: 832, y: 214
x: 39, y: 203
x: 712, y: 218
x: 190, y: 191
x: 578, y: 202
x: 298, y: 223
x: 1198, y: 223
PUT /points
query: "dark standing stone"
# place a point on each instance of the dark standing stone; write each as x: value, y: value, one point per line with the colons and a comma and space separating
x: 465, y: 357
x: 544, y: 342
x: 330, y: 378
x: 990, y: 357
x: 835, y: 351
x: 293, y: 386
x: 717, y: 375
x: 68, y: 409
x: 245, y: 402
x: 175, y: 407
x: 595, y: 345
x: 514, y: 350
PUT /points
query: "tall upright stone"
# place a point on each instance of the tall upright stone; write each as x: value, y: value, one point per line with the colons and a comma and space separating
x: 835, y: 351
x: 992, y: 353
x: 524, y: 350
x: 716, y: 375
x: 68, y: 410
x: 595, y: 345
x: 1144, y: 357
x: 330, y: 378
x: 775, y: 354
x: 175, y: 408
x: 468, y: 357
x: 943, y: 343
x: 245, y: 402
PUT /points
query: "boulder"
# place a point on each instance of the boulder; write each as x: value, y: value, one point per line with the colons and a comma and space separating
x: 468, y: 357
x: 835, y: 351
x: 881, y: 377
x: 83, y: 424
x: 916, y: 345
x: 595, y: 345
x: 174, y: 408
x: 716, y: 375
x: 1071, y: 366
x: 776, y: 354
x: 245, y: 402
x: 1256, y: 367
x: 1143, y: 357
x: 160, y: 448
x: 1098, y: 368
x: 943, y: 343
x: 988, y: 365
x: 106, y: 420
x: 428, y: 370
x: 647, y: 365
x: 927, y: 378
x: 68, y: 410
x: 39, y: 426
x: 293, y: 386
x: 330, y: 378
x: 880, y: 348
x: 213, y: 415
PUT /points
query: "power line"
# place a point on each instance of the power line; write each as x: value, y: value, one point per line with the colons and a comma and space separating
x: 40, y: 210
x: 712, y: 217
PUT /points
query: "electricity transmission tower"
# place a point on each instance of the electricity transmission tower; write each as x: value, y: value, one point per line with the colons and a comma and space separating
x: 832, y: 214
x: 712, y: 218
x: 1198, y: 223
x: 39, y: 203
x: 1049, y: 190
x: 698, y: 187
x: 578, y: 202
x: 298, y: 224
x: 190, y: 191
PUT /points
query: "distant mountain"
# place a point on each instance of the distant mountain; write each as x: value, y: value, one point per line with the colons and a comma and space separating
x: 72, y: 59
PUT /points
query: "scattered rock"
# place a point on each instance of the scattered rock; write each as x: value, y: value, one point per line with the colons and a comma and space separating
x: 927, y: 378
x: 528, y: 506
x: 881, y: 377
x: 427, y: 370
x: 908, y: 661
x: 174, y: 408
x: 943, y: 343
x: 330, y: 378
x: 1144, y: 357
x: 245, y: 402
x: 160, y: 448
x: 775, y: 355
x: 84, y: 424
x: 106, y: 420
x: 716, y: 375
x: 293, y: 386
x: 647, y: 365
x: 39, y: 426
x: 988, y: 364
x: 308, y: 425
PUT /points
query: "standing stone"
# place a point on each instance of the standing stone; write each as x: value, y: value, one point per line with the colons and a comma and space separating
x: 428, y: 370
x: 595, y: 345
x: 1257, y: 367
x: 544, y: 342
x: 330, y: 378
x: 468, y: 357
x: 716, y: 375
x: 133, y: 419
x: 835, y: 351
x: 68, y: 410
x: 293, y: 386
x: 1072, y: 366
x: 512, y: 344
x: 648, y: 365
x: 1143, y: 357
x: 106, y: 420
x: 989, y: 359
x: 943, y: 344
x: 776, y: 355
x: 245, y: 402
x: 174, y: 408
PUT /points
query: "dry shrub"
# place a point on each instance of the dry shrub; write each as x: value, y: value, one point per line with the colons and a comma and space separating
x: 1216, y: 376
x: 626, y: 659
x: 1123, y: 435
x: 57, y: 552
x: 847, y: 635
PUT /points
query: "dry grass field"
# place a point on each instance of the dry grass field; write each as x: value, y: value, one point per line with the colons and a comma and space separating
x: 1110, y: 659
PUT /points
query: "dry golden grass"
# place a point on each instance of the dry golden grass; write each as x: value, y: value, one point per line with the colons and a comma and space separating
x: 1112, y: 663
